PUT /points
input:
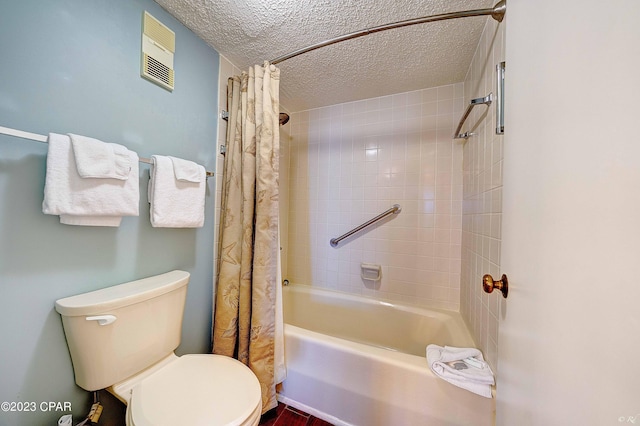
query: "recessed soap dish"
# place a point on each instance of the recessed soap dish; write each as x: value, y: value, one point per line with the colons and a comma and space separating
x: 370, y: 272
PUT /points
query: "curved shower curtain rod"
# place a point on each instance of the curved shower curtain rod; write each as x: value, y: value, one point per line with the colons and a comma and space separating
x: 497, y: 12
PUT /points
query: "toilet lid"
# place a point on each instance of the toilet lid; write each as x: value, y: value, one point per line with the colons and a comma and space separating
x: 197, y: 390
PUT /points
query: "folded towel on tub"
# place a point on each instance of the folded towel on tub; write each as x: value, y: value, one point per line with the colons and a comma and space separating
x: 176, y: 193
x: 462, y: 367
x: 86, y: 201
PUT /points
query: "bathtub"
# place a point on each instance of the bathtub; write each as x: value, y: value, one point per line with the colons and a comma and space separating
x: 357, y: 361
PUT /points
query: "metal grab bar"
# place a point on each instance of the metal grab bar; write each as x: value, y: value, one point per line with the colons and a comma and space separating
x: 478, y: 101
x: 393, y: 210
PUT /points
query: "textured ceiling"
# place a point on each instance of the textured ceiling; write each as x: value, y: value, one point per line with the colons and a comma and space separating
x: 249, y: 32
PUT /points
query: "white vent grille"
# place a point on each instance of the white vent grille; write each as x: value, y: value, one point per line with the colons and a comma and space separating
x: 157, y: 71
x: 158, y: 32
x: 158, y: 47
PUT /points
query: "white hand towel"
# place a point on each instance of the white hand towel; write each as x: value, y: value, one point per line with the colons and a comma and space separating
x: 175, y: 203
x: 187, y: 171
x: 97, y: 159
x: 444, y: 360
x: 89, y: 202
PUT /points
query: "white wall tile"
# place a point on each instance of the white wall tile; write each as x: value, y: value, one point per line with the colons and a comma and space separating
x: 363, y: 157
x: 482, y: 199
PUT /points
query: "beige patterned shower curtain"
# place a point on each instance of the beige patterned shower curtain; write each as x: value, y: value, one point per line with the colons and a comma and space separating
x: 245, y: 323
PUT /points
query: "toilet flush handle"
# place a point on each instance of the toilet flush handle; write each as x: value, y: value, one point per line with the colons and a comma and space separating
x: 103, y: 319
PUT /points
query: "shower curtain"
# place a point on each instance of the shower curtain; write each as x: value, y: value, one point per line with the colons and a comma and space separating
x: 248, y: 313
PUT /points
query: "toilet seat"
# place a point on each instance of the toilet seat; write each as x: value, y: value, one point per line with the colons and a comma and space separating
x: 211, y: 390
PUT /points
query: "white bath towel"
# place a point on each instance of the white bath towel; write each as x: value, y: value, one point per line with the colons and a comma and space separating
x: 176, y: 203
x: 86, y: 201
x: 97, y: 159
x: 462, y: 367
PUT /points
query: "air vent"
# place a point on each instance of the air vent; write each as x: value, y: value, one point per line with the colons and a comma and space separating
x: 158, y: 47
x: 157, y: 71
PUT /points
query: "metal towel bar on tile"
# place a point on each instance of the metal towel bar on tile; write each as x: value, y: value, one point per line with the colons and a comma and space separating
x: 395, y: 209
x: 478, y: 101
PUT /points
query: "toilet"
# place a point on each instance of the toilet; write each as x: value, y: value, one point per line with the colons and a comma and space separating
x: 122, y: 339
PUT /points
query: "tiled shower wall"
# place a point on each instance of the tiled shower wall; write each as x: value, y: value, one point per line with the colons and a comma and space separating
x: 352, y: 161
x: 482, y: 200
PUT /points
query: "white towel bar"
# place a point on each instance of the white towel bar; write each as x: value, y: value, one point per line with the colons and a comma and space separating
x: 42, y: 138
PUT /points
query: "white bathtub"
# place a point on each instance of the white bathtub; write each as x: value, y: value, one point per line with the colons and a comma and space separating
x: 356, y: 361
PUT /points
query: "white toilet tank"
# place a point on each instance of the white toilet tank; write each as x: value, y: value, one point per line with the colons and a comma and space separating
x: 116, y: 332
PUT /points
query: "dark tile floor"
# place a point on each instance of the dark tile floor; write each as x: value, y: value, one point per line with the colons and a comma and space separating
x: 283, y: 415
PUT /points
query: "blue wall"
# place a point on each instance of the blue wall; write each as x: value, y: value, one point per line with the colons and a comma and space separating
x: 73, y: 66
